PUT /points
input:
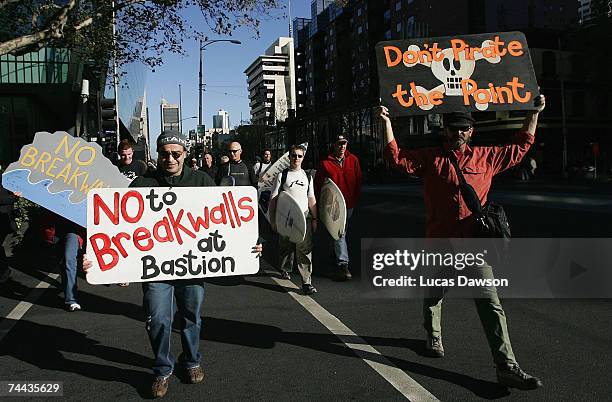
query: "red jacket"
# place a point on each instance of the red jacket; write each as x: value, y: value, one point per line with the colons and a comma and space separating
x: 447, y: 213
x: 347, y: 177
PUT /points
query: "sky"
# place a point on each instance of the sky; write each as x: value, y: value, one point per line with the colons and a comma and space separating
x: 223, y: 72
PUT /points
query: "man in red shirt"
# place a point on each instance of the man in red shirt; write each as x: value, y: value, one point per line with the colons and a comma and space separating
x: 342, y: 167
x: 448, y: 216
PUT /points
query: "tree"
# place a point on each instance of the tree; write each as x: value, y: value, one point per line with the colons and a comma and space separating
x: 145, y: 29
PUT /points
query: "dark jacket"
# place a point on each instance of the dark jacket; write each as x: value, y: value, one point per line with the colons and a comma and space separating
x: 133, y: 170
x: 211, y: 171
x: 188, y: 178
x: 242, y: 173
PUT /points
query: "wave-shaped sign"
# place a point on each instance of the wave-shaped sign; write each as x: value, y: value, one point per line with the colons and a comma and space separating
x: 57, y: 170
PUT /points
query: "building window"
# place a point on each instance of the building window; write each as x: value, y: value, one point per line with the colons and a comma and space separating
x: 398, y: 27
x: 398, y: 5
x: 388, y: 34
x: 359, y: 12
x: 359, y: 29
x: 410, y: 27
x: 46, y: 66
x: 387, y: 15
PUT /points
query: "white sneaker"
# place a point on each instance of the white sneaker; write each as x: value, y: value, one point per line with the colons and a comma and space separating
x: 74, y: 307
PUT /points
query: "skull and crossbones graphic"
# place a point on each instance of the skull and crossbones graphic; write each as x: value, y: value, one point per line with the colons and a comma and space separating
x: 450, y: 71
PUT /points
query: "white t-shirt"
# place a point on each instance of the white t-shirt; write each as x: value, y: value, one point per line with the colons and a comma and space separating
x: 297, y: 187
x: 264, y: 166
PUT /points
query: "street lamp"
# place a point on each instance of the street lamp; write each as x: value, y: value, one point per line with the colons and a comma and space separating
x: 180, y: 121
x: 201, y: 86
x: 187, y: 118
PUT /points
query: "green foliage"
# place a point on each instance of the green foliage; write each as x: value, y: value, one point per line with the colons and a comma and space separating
x: 145, y: 29
x: 23, y: 211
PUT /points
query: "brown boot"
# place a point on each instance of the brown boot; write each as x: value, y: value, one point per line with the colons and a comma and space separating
x: 160, y: 386
x: 195, y: 375
x: 343, y: 272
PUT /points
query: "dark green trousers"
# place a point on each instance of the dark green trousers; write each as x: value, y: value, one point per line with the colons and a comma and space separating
x: 490, y: 311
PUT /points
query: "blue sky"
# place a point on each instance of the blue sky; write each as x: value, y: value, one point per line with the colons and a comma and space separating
x: 224, y: 64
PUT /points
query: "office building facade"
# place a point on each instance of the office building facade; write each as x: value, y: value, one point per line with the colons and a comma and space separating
x: 271, y: 84
x: 221, y: 121
x: 170, y: 116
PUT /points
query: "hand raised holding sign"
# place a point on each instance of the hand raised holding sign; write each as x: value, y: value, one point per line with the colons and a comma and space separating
x: 540, y: 103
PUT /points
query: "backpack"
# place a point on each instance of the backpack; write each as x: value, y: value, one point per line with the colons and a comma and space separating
x: 284, y: 179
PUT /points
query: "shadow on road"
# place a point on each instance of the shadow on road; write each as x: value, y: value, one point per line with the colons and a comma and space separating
x: 267, y: 336
x: 48, y: 344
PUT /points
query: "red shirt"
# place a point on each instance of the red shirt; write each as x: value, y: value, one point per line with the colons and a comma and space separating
x: 447, y: 212
x: 346, y: 176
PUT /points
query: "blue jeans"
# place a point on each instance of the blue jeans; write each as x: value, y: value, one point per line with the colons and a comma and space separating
x: 340, y: 247
x: 158, y: 302
x: 69, y: 273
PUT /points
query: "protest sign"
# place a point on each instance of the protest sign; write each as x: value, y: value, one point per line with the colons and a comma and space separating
x: 159, y: 234
x: 57, y: 170
x: 481, y: 72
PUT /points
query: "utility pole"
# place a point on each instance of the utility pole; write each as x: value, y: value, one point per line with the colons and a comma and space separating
x: 180, y: 112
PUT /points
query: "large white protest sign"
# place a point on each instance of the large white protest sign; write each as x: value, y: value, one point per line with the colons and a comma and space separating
x: 158, y: 234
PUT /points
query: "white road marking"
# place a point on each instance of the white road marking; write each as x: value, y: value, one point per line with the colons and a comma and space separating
x: 401, y: 381
x: 20, y: 309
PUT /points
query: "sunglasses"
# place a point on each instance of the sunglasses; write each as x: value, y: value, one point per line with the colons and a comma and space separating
x: 234, y: 150
x: 175, y: 154
x: 297, y: 156
x: 461, y: 129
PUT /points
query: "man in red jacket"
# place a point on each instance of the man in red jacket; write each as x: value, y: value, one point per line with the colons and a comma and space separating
x: 448, y: 216
x: 342, y: 167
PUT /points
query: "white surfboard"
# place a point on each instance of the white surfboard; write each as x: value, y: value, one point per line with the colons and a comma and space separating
x: 332, y: 209
x: 290, y: 219
x: 267, y: 179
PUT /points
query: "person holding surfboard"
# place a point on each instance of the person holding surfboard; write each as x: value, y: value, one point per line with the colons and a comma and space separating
x: 448, y: 216
x: 296, y: 183
x: 266, y: 162
x: 343, y: 168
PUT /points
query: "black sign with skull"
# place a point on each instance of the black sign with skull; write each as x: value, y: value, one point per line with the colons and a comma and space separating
x: 484, y: 72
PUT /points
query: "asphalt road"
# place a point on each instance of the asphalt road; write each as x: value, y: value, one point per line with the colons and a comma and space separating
x: 262, y: 340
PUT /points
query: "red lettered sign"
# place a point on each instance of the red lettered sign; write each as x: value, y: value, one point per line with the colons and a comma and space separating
x: 155, y: 234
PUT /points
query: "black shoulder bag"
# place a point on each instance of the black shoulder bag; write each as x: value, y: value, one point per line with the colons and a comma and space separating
x: 489, y: 220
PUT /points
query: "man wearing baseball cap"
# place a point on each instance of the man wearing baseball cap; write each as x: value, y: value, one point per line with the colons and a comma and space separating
x: 159, y: 297
x: 449, y: 216
x: 343, y: 168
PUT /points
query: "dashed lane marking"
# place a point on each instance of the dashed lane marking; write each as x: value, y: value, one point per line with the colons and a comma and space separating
x: 20, y: 309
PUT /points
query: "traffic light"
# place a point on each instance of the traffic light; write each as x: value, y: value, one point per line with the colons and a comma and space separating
x: 108, y: 114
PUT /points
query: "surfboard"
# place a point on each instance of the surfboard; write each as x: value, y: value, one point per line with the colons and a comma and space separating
x: 290, y: 219
x: 267, y: 179
x: 332, y: 209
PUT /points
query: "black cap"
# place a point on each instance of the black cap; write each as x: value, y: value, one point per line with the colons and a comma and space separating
x: 458, y: 119
x: 172, y: 137
x: 340, y: 138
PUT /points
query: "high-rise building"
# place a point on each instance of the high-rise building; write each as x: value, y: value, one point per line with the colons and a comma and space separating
x: 271, y: 83
x: 221, y: 121
x: 170, y: 116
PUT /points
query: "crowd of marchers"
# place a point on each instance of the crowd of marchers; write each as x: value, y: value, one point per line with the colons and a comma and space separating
x: 445, y: 170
